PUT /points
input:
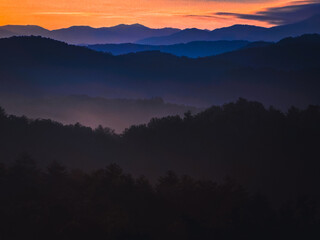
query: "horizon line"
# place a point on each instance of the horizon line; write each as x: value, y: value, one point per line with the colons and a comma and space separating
x: 111, y: 26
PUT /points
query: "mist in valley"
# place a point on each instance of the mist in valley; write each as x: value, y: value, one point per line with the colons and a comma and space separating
x: 116, y: 114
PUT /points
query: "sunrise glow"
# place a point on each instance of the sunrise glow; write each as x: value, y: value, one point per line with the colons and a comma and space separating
x: 53, y: 14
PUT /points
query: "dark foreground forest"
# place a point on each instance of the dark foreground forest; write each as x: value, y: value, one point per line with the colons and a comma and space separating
x: 108, y: 204
x: 237, y: 171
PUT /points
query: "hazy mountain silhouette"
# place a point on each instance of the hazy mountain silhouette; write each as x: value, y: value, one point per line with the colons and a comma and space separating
x: 87, y: 35
x: 192, y: 49
x: 281, y: 74
x: 26, y: 30
x: 239, y: 32
x: 117, y: 34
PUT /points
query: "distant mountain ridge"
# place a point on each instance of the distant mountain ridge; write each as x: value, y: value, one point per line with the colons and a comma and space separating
x: 192, y: 49
x: 88, y: 35
x: 239, y: 32
x: 137, y: 33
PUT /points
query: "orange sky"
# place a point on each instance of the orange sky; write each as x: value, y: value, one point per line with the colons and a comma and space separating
x: 53, y: 14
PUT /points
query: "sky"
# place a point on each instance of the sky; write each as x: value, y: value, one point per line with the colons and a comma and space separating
x: 204, y: 14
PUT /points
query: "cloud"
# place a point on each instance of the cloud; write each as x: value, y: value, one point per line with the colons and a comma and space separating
x: 293, y: 12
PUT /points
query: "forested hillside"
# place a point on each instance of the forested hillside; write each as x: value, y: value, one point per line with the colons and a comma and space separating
x: 263, y: 149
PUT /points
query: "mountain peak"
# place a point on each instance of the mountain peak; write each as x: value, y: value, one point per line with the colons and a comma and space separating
x: 79, y: 27
x: 135, y: 25
x: 238, y: 27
